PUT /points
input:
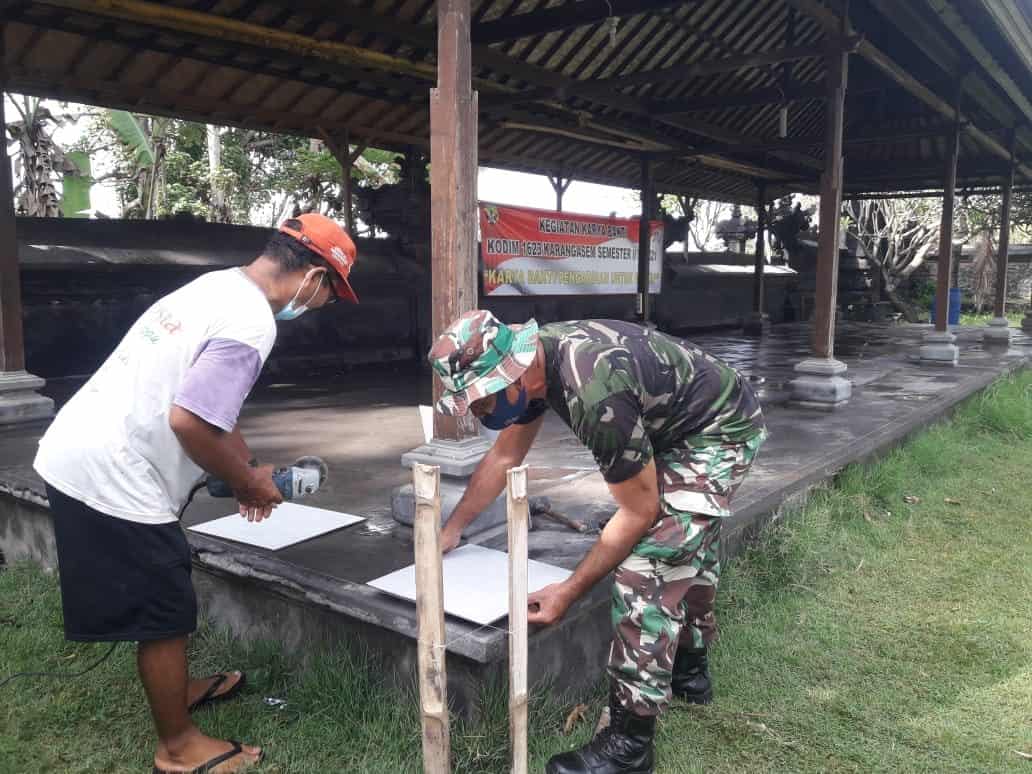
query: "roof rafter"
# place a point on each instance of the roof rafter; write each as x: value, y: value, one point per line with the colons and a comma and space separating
x: 570, y: 15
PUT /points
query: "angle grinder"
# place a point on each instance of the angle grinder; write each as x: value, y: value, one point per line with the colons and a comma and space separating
x: 305, y: 477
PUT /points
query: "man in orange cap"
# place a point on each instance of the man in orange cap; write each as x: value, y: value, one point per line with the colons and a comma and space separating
x: 121, y: 457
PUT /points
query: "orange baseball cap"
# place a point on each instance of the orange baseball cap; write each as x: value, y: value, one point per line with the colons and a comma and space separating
x: 325, y: 238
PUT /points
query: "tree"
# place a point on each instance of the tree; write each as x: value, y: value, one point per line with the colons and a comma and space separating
x: 39, y: 162
x: 895, y: 235
x: 701, y: 217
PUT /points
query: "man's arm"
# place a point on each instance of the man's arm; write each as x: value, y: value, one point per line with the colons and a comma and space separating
x: 488, y: 479
x: 638, y: 501
x: 226, y: 456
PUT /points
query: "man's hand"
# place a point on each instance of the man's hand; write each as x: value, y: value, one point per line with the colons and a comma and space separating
x: 549, y: 604
x: 257, y: 495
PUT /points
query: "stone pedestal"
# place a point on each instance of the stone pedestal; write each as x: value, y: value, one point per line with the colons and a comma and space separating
x: 998, y: 333
x: 820, y: 384
x: 939, y: 349
x: 1026, y: 323
x: 457, y: 460
x: 19, y: 399
x: 757, y: 325
x: 403, y: 505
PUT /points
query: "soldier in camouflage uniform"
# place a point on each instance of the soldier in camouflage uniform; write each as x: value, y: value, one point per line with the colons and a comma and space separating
x: 674, y: 431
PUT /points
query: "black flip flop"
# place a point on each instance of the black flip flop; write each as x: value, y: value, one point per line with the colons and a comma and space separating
x: 207, y: 766
x: 209, y: 697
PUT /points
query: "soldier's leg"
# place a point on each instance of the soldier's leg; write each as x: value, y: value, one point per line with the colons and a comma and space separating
x: 649, y: 611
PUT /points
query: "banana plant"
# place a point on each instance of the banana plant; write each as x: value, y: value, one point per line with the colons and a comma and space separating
x: 143, y: 140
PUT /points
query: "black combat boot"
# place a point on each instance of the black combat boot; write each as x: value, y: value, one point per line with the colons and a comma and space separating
x: 623, y: 747
x: 691, y: 680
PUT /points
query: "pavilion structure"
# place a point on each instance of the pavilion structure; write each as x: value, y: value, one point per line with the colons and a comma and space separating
x: 738, y: 101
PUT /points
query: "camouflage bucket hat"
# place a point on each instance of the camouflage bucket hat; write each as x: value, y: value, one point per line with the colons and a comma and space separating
x: 478, y: 356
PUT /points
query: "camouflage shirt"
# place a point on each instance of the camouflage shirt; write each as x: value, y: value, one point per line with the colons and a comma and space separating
x: 629, y: 393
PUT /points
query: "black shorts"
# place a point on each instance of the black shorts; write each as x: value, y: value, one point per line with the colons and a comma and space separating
x: 121, y: 580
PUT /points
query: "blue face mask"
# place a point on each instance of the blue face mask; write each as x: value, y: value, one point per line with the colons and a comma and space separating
x: 505, y: 413
x: 292, y: 312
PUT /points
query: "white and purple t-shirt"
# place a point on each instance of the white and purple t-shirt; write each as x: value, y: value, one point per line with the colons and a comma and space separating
x: 201, y: 348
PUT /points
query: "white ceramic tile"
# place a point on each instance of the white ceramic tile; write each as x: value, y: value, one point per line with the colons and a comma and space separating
x: 476, y: 582
x: 289, y: 523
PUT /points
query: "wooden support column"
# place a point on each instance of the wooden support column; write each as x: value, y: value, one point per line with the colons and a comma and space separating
x: 645, y: 240
x: 999, y: 327
x: 938, y: 345
x: 457, y: 446
x: 346, y: 156
x: 349, y: 207
x: 759, y: 322
x: 19, y: 401
x: 559, y: 185
x: 433, y: 683
x: 836, y: 63
x: 453, y: 188
x: 821, y: 383
x: 945, y: 263
x: 519, y: 521
x: 12, y: 349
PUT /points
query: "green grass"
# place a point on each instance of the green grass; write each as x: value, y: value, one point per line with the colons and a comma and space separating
x: 970, y: 318
x: 864, y: 633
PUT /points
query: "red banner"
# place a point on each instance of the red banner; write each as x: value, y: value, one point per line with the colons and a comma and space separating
x: 528, y: 252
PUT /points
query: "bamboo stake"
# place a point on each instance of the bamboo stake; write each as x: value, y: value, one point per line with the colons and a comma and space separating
x: 519, y: 517
x: 433, y: 689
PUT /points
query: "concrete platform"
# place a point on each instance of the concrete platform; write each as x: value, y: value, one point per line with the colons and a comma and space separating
x: 314, y: 594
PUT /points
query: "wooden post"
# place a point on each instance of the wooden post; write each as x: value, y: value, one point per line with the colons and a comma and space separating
x: 453, y: 189
x: 433, y: 685
x: 19, y: 401
x: 559, y: 185
x: 836, y: 63
x: 644, y: 240
x: 12, y: 345
x: 1003, y: 245
x: 820, y: 381
x: 349, y: 208
x: 519, y: 520
x: 943, y: 274
x: 346, y: 157
x: 761, y: 248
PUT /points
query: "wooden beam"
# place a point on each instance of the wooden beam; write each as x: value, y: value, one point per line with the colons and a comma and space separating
x: 563, y: 17
x: 518, y: 512
x: 827, y: 20
x: 453, y: 190
x: 694, y: 69
x: 957, y: 25
x: 945, y: 262
x: 575, y: 135
x: 321, y: 70
x: 1003, y: 244
x: 836, y: 73
x: 226, y: 30
x: 768, y: 96
x: 433, y: 682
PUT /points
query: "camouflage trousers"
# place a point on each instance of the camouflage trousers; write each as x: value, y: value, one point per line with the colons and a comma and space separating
x: 664, y: 591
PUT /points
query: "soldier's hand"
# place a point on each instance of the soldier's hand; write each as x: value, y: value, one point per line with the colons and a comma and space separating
x: 449, y: 538
x: 549, y: 604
